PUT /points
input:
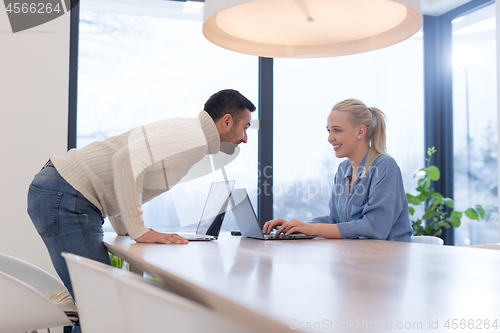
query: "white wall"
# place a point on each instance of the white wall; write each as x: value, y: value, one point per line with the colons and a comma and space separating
x: 34, y: 70
x: 497, y: 7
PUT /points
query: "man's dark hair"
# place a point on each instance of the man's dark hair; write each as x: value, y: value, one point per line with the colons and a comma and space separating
x: 227, y: 101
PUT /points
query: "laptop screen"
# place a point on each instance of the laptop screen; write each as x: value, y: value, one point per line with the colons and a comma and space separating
x: 215, y: 208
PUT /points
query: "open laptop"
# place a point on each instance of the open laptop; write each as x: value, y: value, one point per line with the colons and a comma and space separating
x: 247, y: 220
x: 213, y: 213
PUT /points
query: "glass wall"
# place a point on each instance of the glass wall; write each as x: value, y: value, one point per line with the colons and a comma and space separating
x: 134, y: 70
x: 475, y: 124
x: 305, y: 90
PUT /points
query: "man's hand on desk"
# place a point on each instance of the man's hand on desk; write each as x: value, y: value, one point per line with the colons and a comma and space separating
x: 160, y: 238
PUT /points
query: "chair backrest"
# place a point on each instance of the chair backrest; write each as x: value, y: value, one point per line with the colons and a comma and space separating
x: 96, y: 295
x: 427, y: 240
x: 25, y: 309
x: 30, y: 274
x: 493, y: 246
x: 143, y: 306
x: 144, y: 303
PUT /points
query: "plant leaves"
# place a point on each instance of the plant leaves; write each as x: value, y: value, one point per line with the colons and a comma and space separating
x: 449, y: 202
x: 423, y: 184
x: 422, y: 196
x: 436, y: 200
x: 429, y: 214
x: 437, y: 195
x: 471, y: 214
x: 411, y: 210
x: 454, y: 220
x: 479, y: 209
x: 475, y: 213
x: 413, y: 200
x: 433, y: 172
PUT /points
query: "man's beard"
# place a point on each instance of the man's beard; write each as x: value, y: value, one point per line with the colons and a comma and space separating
x: 226, y: 145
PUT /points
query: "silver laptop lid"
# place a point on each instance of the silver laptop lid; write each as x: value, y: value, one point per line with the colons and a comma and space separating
x: 215, y: 208
x: 245, y: 215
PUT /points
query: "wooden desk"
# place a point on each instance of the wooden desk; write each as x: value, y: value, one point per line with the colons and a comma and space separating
x: 331, y: 285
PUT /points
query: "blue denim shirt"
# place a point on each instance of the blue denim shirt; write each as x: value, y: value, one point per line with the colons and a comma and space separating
x: 376, y: 206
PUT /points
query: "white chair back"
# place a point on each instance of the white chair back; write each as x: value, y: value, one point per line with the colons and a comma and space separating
x: 114, y: 300
x: 151, y: 309
x: 427, y: 240
x: 30, y: 274
x: 25, y: 309
x: 96, y: 295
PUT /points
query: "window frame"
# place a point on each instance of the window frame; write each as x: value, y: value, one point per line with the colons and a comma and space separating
x: 438, y: 95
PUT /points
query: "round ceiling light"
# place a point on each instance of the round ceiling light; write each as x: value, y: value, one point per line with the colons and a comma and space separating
x: 309, y: 28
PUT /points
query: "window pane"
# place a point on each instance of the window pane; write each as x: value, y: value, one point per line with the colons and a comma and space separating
x: 306, y: 90
x: 134, y: 70
x: 475, y: 124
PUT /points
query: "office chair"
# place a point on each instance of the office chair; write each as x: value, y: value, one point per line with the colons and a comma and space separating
x: 427, y: 240
x: 24, y: 305
x: 114, y: 300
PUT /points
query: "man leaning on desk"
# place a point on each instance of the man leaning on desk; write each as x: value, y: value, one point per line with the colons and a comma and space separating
x: 70, y: 197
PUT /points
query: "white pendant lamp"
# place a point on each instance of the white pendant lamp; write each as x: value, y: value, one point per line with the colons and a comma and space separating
x: 309, y: 28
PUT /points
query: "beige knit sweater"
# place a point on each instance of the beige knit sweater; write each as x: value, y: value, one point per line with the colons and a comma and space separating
x: 121, y: 173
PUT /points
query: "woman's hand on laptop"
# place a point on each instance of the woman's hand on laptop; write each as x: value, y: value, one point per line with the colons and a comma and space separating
x: 290, y: 227
x: 296, y: 227
x: 160, y: 238
x: 270, y: 225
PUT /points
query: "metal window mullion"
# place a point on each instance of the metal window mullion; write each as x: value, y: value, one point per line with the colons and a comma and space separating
x: 438, y: 113
x: 265, y: 179
x: 73, y: 72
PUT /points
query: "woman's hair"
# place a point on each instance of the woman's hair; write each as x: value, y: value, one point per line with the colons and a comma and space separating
x: 374, y: 120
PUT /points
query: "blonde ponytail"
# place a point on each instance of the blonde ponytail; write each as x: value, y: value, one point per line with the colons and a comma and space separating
x: 374, y: 121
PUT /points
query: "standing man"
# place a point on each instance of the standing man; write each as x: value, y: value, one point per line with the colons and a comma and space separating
x: 70, y: 197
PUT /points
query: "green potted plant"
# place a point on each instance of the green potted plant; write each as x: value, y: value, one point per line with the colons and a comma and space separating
x: 434, y: 211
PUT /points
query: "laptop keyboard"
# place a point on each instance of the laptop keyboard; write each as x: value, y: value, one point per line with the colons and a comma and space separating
x: 282, y: 235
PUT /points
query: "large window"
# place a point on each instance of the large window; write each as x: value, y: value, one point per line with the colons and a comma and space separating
x: 475, y: 124
x: 306, y: 90
x: 135, y: 69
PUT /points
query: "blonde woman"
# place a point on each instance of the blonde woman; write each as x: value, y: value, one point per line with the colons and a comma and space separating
x: 368, y: 199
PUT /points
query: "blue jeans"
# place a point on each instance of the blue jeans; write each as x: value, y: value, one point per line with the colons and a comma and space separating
x: 66, y: 221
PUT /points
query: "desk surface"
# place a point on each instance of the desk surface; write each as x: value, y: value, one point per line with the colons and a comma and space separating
x: 321, y: 284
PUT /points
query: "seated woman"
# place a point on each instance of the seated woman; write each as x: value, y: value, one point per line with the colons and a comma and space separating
x: 368, y: 199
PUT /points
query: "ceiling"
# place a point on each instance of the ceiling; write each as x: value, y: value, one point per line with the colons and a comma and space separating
x: 438, y: 7
x: 159, y: 7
